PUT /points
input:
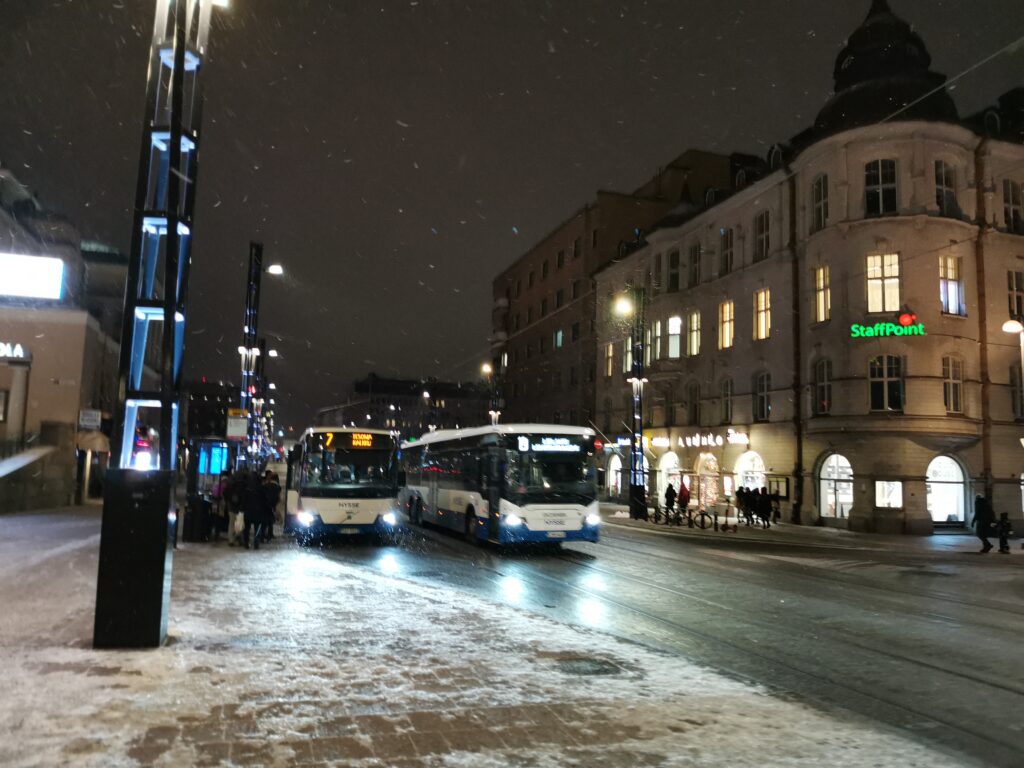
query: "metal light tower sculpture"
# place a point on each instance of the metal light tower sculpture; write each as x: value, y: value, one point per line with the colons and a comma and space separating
x: 139, y: 515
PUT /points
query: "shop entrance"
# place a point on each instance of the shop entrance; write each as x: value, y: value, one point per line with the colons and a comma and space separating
x: 668, y: 472
x: 835, y: 487
x: 708, y: 484
x: 946, y: 489
x: 749, y: 471
x: 614, y: 477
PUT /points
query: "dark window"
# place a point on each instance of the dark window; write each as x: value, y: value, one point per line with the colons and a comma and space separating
x: 886, y: 379
x: 762, y: 396
x: 529, y: 280
x: 693, y: 403
x: 576, y: 248
x: 1015, y: 284
x: 880, y: 188
x: 725, y: 246
x: 1013, y: 206
x: 762, y: 235
x: 559, y: 298
x: 819, y: 203
x: 575, y: 289
x: 543, y: 307
x: 673, y: 272
x: 575, y: 331
x: 945, y: 189
x: 694, y: 277
x: 544, y: 269
x: 593, y: 239
x: 953, y: 384
x: 822, y: 387
x: 560, y: 260
x: 725, y: 402
x: 519, y: 288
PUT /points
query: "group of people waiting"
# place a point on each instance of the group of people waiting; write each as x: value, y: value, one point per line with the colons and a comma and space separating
x: 750, y: 504
x: 245, y: 504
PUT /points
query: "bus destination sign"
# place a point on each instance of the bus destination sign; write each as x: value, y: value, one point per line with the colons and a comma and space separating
x: 553, y: 445
x: 362, y: 440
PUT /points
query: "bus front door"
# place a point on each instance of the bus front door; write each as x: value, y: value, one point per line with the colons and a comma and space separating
x: 493, y: 478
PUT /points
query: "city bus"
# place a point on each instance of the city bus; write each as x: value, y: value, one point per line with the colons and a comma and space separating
x: 504, y: 484
x: 342, y: 481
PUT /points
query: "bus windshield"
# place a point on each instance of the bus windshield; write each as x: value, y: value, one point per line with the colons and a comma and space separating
x: 551, y: 469
x: 349, y: 473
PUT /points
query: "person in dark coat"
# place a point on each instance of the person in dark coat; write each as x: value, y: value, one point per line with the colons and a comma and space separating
x: 1005, y: 532
x: 273, y: 490
x: 764, y: 507
x: 670, y: 502
x: 255, y: 509
x: 984, y: 518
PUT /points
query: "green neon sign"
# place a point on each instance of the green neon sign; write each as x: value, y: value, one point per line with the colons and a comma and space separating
x: 858, y: 331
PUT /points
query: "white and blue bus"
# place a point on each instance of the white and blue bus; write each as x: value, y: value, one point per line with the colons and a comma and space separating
x: 506, y: 484
x: 342, y: 481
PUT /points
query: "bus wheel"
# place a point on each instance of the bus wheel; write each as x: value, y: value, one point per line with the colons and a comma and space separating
x: 471, y: 526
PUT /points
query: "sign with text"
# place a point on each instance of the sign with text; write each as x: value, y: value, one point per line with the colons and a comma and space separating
x: 12, y: 350
x: 89, y: 418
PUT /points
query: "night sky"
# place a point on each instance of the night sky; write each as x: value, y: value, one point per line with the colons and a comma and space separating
x: 395, y: 156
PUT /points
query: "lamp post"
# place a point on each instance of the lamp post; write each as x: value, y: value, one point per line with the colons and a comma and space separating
x: 1016, y: 325
x: 139, y: 514
x: 492, y: 386
x: 631, y: 305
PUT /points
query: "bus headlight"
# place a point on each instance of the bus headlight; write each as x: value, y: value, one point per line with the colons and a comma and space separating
x: 513, y: 520
x: 389, y: 518
x: 305, y: 518
x: 593, y: 519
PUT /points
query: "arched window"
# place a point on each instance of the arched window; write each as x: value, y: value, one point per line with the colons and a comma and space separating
x: 835, y: 487
x: 822, y: 404
x: 946, y: 491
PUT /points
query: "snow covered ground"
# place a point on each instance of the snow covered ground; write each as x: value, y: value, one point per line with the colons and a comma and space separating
x: 285, y: 657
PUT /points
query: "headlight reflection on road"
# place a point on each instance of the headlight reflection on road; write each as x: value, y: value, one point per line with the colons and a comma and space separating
x: 388, y: 564
x: 594, y: 581
x: 512, y: 589
x: 591, y: 612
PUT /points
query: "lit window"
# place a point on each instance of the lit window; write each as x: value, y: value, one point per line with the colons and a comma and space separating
x: 945, y: 189
x: 819, y: 203
x: 609, y: 360
x: 883, y: 276
x: 762, y: 235
x: 726, y: 324
x: 693, y: 333
x: 558, y: 338
x: 822, y: 295
x: 657, y: 340
x: 1013, y: 210
x: 822, y: 387
x: 762, y: 396
x: 885, y: 373
x: 888, y: 494
x: 762, y: 314
x: 675, y: 330
x: 951, y: 285
x: 725, y: 402
x: 725, y: 247
x: 880, y: 188
x: 953, y: 384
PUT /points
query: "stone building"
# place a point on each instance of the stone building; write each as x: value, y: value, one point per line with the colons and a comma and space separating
x: 833, y: 330
x: 543, y: 318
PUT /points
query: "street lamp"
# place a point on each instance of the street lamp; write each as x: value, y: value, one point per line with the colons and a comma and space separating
x: 492, y: 385
x: 631, y: 305
x: 1015, y: 325
x: 275, y: 269
x: 139, y: 512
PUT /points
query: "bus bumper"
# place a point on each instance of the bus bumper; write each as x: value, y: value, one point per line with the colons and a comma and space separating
x: 313, y: 525
x: 520, y: 534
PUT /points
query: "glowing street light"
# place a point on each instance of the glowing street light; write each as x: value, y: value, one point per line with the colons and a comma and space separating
x: 275, y: 269
x: 624, y: 306
x: 272, y: 352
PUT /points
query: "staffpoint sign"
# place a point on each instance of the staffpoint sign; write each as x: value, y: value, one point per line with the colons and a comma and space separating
x: 886, y: 329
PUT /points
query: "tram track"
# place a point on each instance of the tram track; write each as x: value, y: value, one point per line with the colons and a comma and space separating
x: 817, y: 685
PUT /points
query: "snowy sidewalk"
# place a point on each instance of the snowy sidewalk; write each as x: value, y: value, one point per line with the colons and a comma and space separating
x: 286, y: 657
x: 808, y: 535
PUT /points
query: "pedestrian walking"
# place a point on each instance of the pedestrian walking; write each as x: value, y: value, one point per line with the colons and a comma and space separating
x: 1003, y: 529
x: 219, y: 503
x: 984, y: 519
x: 682, y: 504
x: 272, y: 488
x: 670, y: 502
x: 763, y: 507
x: 255, y: 509
x: 235, y: 494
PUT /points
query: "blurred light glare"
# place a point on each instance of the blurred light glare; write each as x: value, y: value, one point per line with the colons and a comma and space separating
x: 623, y: 306
x: 272, y: 353
x: 31, y: 277
x: 275, y: 269
x: 389, y: 564
x: 1013, y: 326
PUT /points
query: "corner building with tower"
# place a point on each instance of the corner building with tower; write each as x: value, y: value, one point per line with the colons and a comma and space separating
x: 833, y: 330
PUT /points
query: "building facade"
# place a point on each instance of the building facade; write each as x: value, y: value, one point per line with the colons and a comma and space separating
x: 411, y: 407
x: 833, y: 330
x: 543, y: 318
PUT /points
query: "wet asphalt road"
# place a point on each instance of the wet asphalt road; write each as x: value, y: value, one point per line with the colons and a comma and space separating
x: 926, y: 641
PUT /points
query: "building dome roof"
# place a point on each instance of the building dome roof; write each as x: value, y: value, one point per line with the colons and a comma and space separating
x: 883, y: 67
